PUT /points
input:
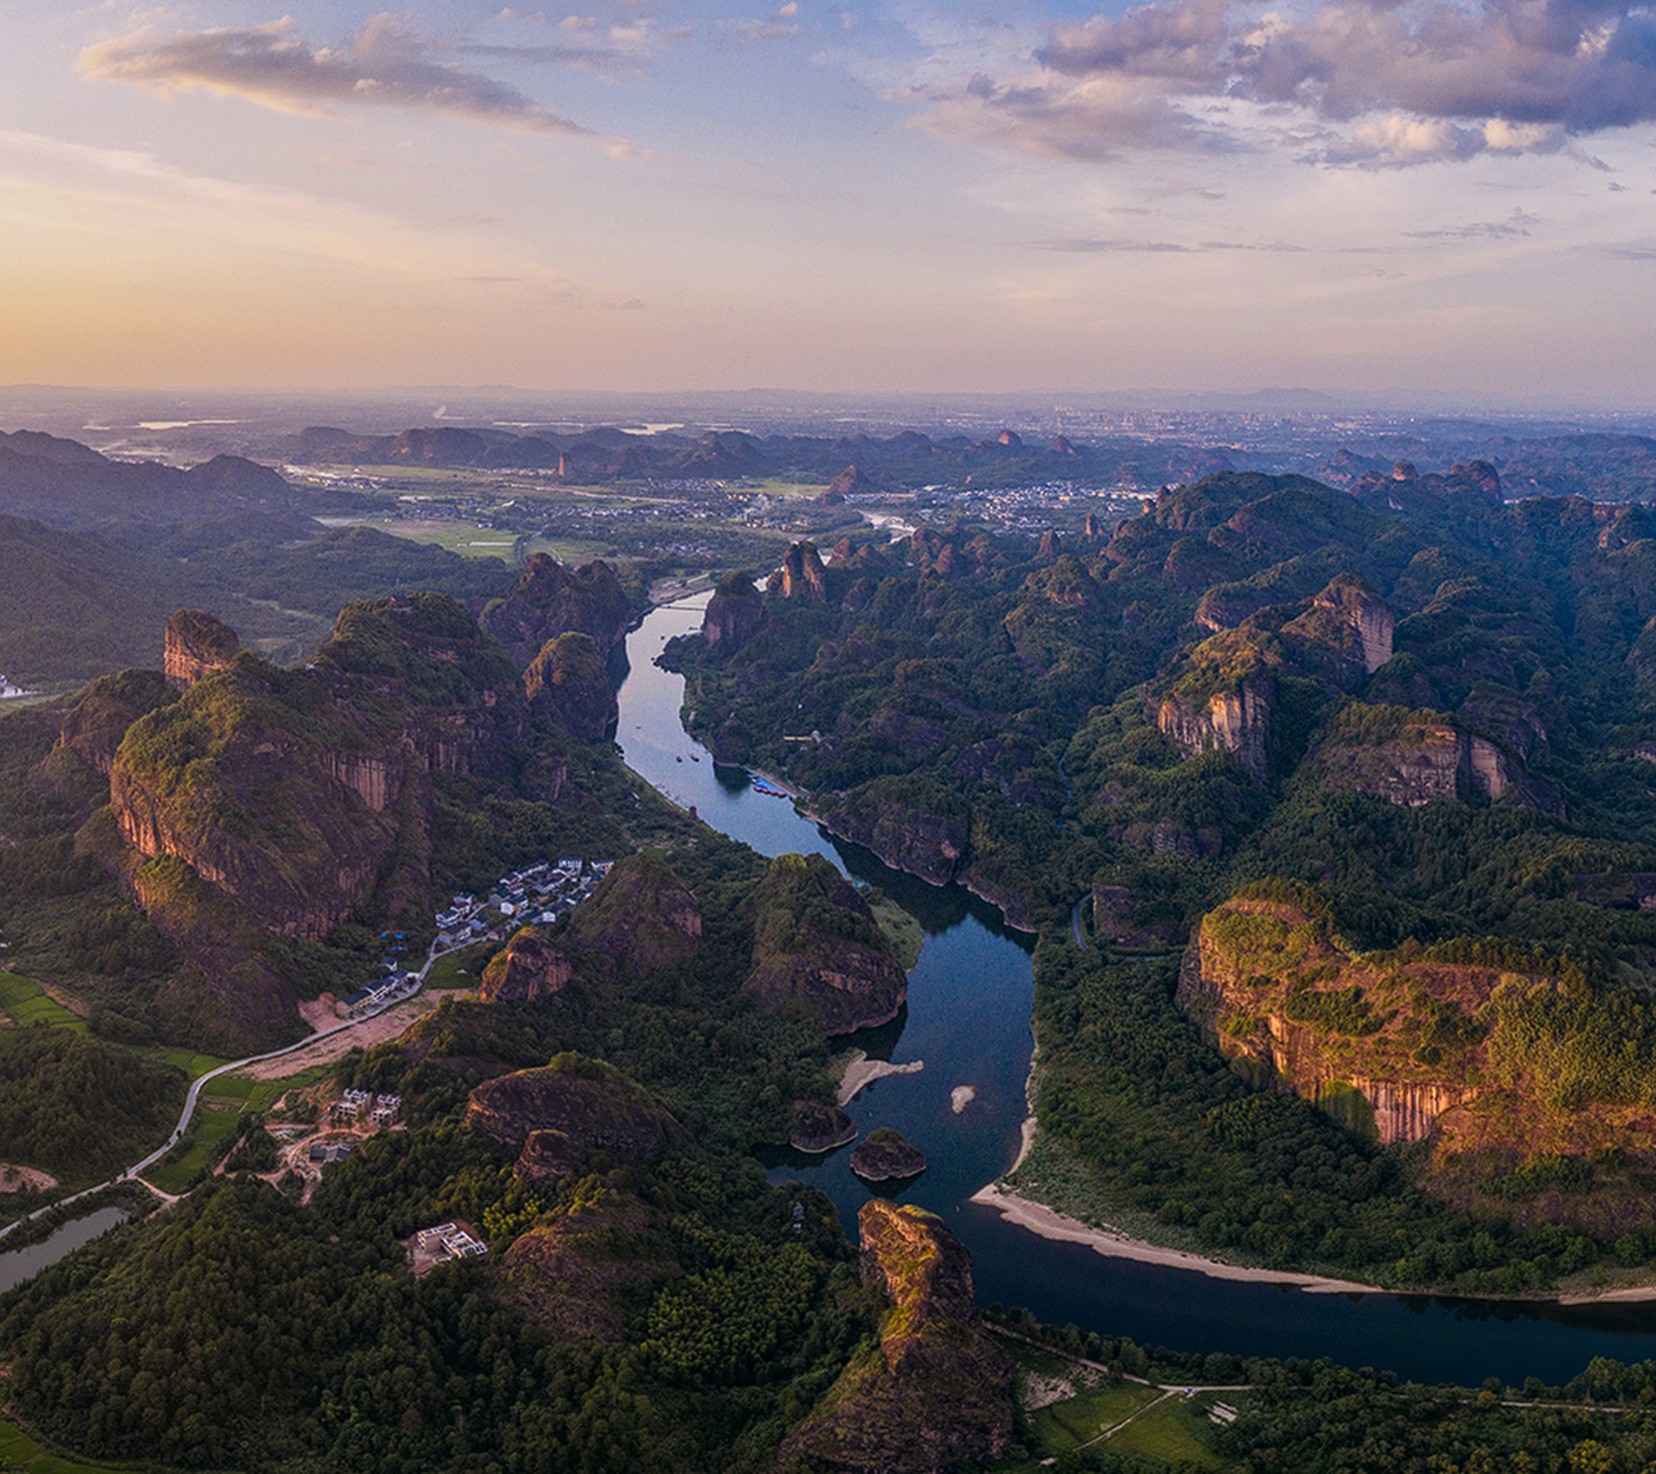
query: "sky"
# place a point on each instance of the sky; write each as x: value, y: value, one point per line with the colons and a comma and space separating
x: 866, y: 195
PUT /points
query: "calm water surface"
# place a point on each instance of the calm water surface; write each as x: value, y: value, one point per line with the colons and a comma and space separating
x: 968, y: 1019
x: 17, y: 1265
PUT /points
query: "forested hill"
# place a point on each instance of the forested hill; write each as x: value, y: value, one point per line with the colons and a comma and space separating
x: 1420, y: 713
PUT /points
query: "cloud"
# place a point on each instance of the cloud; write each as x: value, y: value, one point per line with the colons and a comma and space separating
x: 384, y: 65
x: 1375, y: 83
x: 1092, y: 245
x: 1514, y: 226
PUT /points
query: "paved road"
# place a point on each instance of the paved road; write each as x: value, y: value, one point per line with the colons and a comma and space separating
x: 199, y: 1084
x: 1075, y: 924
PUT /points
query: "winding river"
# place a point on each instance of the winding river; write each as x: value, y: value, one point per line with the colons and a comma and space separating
x: 967, y: 1019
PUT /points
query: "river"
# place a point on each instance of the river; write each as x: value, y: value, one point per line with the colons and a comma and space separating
x: 17, y: 1265
x: 967, y: 1018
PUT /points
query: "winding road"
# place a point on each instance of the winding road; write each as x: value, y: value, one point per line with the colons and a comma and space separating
x: 193, y: 1096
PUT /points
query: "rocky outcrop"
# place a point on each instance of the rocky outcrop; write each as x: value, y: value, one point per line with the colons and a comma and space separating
x: 93, y: 727
x: 304, y: 796
x: 930, y: 845
x: 529, y: 968
x: 557, y: 1116
x: 1408, y: 758
x: 1349, y: 616
x: 734, y: 612
x: 885, y: 1155
x: 640, y: 931
x: 576, y: 1277
x: 549, y: 598
x: 194, y: 644
x: 817, y: 949
x: 1233, y: 720
x: 937, y: 1390
x: 568, y: 684
x: 801, y: 575
x: 849, y: 482
x: 820, y: 1128
x: 1404, y: 1039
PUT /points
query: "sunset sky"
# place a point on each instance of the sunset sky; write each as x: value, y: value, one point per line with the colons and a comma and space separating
x: 868, y: 196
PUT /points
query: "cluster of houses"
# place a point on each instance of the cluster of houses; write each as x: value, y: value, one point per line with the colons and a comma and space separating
x: 396, y: 983
x: 536, y: 895
x: 355, y: 1106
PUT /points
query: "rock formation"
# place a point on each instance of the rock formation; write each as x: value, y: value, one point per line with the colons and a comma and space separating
x: 930, y: 845
x: 937, y: 1390
x: 529, y: 968
x: 93, y: 727
x: 1349, y: 627
x: 819, y: 1128
x: 1409, y: 759
x: 1276, y: 989
x: 817, y: 949
x: 567, y: 683
x: 555, y: 1117
x: 885, y: 1155
x: 640, y: 930
x: 302, y: 796
x: 576, y: 1277
x: 734, y: 612
x: 801, y: 575
x: 548, y: 598
x: 1235, y: 720
x: 196, y: 643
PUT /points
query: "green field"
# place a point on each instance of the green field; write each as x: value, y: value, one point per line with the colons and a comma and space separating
x: 28, y: 1004
x: 192, y: 1064
x: 461, y: 969
x: 1080, y: 1419
x: 209, y: 1127
x: 1176, y: 1431
x: 21, y: 1454
x: 245, y: 1093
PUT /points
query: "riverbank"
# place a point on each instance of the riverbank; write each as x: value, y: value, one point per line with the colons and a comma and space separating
x: 1048, y: 1223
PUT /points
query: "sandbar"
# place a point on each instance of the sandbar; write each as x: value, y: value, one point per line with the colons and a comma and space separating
x: 861, y: 1072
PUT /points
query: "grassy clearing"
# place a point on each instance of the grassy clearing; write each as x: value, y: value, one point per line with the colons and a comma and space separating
x: 20, y: 1453
x: 244, y: 1093
x: 193, y: 1065
x: 209, y: 1128
x: 1080, y: 1419
x: 28, y: 1004
x: 905, y: 933
x: 1177, y: 1432
x: 462, y: 969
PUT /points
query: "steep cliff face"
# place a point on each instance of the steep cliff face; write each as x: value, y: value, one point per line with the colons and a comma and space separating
x: 303, y: 796
x: 1352, y: 603
x: 1404, y: 1038
x: 93, y: 727
x: 194, y: 644
x: 555, y: 1117
x: 818, y: 949
x: 549, y: 598
x: 936, y: 1391
x: 1236, y: 721
x: 567, y: 683
x: 734, y: 612
x: 1409, y: 758
x: 801, y: 575
x: 928, y: 844
x: 232, y: 780
x: 529, y: 968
